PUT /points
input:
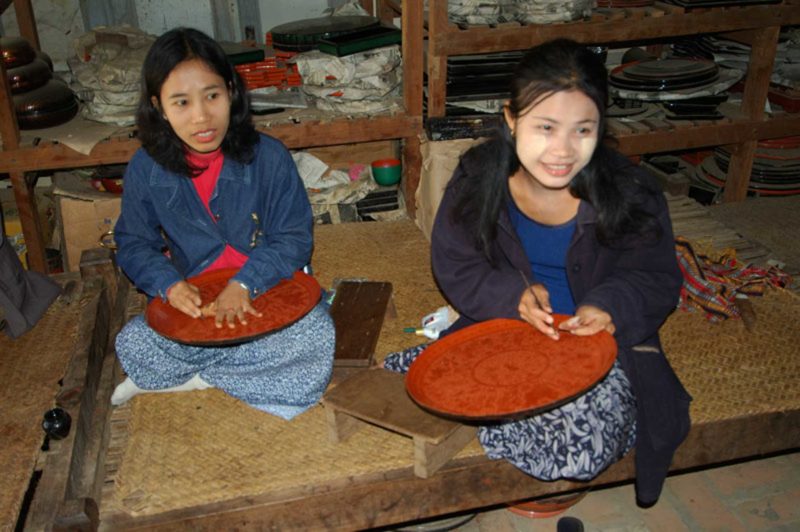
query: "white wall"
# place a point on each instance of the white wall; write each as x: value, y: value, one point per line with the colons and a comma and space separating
x: 58, y: 24
x: 275, y: 12
x: 158, y: 16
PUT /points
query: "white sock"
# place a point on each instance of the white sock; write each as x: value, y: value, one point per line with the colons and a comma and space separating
x: 127, y: 389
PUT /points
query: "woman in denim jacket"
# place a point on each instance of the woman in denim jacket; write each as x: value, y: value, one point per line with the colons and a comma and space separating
x: 207, y: 191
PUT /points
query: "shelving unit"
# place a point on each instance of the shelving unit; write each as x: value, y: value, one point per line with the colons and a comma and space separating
x: 20, y: 159
x: 758, y: 26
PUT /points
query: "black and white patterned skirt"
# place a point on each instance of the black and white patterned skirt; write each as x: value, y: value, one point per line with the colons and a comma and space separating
x: 576, y: 440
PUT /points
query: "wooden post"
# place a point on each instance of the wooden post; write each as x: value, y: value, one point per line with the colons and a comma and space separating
x: 759, y: 70
x: 413, y: 59
x: 27, y: 22
x: 437, y: 64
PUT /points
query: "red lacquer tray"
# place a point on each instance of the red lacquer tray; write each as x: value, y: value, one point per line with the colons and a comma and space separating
x: 507, y: 369
x: 280, y: 306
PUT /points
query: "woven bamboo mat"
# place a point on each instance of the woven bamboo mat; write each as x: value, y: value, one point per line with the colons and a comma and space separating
x: 30, y: 369
x: 176, y: 451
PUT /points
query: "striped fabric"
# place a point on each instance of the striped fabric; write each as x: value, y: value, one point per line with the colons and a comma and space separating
x: 712, y: 283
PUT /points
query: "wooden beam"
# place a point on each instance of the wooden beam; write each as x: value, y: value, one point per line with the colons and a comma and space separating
x: 708, y: 134
x: 50, y: 156
x: 759, y: 71
x: 437, y: 60
x: 452, y: 41
x: 27, y: 22
x: 465, y: 484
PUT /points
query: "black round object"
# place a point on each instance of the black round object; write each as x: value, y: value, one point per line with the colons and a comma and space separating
x: 49, y: 105
x: 28, y: 77
x: 56, y: 423
x: 16, y: 51
x: 302, y: 35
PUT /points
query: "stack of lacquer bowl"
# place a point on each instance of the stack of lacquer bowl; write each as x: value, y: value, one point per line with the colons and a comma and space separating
x: 39, y: 100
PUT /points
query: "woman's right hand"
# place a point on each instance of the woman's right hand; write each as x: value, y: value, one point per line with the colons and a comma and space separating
x: 534, y: 307
x: 186, y: 298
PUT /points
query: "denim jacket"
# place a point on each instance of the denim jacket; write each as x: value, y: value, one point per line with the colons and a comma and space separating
x: 261, y: 209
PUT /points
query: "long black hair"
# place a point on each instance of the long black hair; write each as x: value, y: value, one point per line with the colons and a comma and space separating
x: 155, y: 133
x: 555, y: 66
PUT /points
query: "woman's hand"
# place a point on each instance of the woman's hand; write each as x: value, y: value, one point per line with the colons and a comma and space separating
x: 185, y: 297
x: 534, y: 307
x: 588, y: 320
x: 234, y: 303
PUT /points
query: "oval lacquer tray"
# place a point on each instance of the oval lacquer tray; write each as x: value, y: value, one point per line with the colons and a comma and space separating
x: 280, y: 306
x: 505, y: 368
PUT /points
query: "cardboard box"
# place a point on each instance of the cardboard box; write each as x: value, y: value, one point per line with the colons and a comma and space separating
x: 12, y: 225
x: 86, y: 215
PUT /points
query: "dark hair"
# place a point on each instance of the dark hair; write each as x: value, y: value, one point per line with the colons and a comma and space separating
x: 155, y: 133
x: 555, y: 66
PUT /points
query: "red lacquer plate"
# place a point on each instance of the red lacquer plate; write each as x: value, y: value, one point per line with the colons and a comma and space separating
x: 280, y: 306
x: 506, y: 369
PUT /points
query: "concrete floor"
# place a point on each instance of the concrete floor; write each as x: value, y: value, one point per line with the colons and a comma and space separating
x: 757, y: 495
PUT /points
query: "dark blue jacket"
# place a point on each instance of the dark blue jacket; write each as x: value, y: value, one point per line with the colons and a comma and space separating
x: 261, y: 210
x: 637, y: 283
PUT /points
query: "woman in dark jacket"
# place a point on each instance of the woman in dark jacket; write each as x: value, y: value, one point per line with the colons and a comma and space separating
x: 543, y: 219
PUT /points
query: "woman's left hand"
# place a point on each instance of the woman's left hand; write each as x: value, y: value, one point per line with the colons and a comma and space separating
x: 588, y: 320
x: 233, y: 303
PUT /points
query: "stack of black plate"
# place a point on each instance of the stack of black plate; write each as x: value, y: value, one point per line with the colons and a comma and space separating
x: 775, y: 172
x: 719, y: 3
x: 303, y: 35
x: 39, y: 100
x: 664, y: 74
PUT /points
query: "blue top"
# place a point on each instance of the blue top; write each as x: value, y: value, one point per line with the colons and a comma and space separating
x: 546, y: 248
x: 261, y: 210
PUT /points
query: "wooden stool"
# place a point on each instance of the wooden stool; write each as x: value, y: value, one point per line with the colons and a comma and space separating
x: 379, y: 397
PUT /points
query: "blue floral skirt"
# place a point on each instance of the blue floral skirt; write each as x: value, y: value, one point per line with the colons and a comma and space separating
x: 576, y: 440
x: 283, y: 373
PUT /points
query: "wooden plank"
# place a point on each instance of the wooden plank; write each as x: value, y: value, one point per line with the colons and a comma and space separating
x: 709, y: 134
x: 25, y: 198
x: 59, y: 478
x: 759, y: 70
x: 358, y: 311
x: 487, y: 40
x: 26, y: 22
x: 379, y: 397
x: 465, y: 484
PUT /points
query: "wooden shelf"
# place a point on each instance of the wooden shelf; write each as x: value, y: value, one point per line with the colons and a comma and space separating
x: 758, y: 25
x: 119, y: 149
x: 654, y: 136
x: 613, y: 26
x: 17, y: 158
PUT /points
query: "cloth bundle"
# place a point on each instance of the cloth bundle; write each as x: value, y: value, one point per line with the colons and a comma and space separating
x: 106, y: 73
x: 712, y: 283
x: 359, y: 83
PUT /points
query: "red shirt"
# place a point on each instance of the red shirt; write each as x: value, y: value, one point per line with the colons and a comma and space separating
x: 204, y: 184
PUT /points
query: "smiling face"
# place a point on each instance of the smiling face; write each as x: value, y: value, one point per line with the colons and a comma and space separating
x: 555, y: 137
x: 195, y: 101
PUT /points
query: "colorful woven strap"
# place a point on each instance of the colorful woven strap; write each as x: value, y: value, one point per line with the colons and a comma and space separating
x: 712, y: 283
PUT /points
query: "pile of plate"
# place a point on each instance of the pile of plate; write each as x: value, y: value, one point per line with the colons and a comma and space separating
x: 625, y: 3
x: 664, y: 74
x: 719, y: 3
x: 39, y: 100
x: 775, y: 172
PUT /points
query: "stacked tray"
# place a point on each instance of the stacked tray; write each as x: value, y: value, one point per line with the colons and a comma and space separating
x: 664, y: 74
x: 775, y: 171
x: 39, y: 100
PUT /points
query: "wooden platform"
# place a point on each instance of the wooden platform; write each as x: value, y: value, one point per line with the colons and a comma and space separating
x: 287, y: 476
